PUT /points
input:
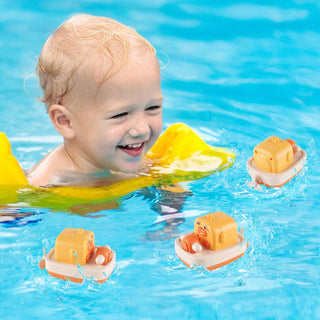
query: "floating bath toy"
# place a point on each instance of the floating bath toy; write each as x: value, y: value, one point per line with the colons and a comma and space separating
x: 178, y: 155
x: 276, y: 161
x: 75, y: 257
x: 214, y: 243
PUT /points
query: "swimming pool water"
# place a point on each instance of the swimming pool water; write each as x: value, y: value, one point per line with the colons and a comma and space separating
x: 236, y: 72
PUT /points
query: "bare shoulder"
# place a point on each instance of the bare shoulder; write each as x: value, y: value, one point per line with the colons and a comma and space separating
x: 46, y: 170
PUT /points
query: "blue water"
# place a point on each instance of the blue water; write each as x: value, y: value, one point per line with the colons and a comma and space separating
x: 236, y: 72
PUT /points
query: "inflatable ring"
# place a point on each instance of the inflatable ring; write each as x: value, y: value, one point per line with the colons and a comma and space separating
x: 178, y: 155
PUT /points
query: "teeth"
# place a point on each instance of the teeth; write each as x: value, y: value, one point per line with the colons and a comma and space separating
x: 137, y: 145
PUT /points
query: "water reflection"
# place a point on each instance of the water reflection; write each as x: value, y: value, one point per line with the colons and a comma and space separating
x: 16, y: 217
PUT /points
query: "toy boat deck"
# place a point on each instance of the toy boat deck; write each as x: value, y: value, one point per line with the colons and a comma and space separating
x: 273, y: 180
x: 209, y: 258
x: 76, y: 273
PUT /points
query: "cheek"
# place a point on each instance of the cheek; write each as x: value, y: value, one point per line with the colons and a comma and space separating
x: 157, y: 126
x: 156, y: 131
x: 110, y: 137
x: 115, y: 134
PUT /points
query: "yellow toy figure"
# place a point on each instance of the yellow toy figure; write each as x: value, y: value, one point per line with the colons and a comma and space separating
x: 273, y: 155
x: 74, y: 246
x: 216, y: 230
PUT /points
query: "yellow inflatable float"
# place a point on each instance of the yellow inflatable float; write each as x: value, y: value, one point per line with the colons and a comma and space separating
x: 178, y: 155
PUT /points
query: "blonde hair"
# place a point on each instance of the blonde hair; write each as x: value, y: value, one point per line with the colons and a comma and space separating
x: 83, y: 36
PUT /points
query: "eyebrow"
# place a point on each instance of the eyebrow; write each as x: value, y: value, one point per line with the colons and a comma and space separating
x: 159, y: 99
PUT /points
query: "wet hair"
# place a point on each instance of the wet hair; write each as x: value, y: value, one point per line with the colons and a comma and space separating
x: 99, y: 46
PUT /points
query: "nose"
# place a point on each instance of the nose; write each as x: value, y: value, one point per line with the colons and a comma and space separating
x: 140, y: 127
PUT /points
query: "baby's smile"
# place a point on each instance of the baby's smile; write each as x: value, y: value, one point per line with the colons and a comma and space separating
x: 133, y: 150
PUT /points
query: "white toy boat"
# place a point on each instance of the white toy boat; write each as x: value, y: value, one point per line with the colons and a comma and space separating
x: 275, y: 162
x: 76, y: 273
x: 75, y: 257
x: 212, y: 259
x: 214, y: 243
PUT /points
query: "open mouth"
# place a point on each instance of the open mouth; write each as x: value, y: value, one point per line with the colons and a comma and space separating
x: 133, y: 150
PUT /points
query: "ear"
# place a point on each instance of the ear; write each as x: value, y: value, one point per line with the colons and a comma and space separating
x: 62, y: 120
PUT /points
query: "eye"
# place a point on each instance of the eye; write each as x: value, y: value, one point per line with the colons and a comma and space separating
x: 153, y: 109
x: 205, y: 227
x: 120, y: 115
x: 198, y: 223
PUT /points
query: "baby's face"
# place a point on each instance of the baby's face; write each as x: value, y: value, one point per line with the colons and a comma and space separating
x: 122, y: 119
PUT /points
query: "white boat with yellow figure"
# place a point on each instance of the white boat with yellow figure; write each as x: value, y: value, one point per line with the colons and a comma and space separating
x: 214, y: 242
x: 275, y: 162
x: 75, y: 257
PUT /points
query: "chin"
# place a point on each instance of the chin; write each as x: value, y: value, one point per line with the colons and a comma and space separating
x: 130, y: 167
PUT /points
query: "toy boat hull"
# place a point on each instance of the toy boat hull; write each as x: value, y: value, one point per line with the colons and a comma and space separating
x: 76, y: 273
x: 273, y: 180
x: 212, y: 259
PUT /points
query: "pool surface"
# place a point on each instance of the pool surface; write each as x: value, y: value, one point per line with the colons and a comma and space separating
x: 235, y: 72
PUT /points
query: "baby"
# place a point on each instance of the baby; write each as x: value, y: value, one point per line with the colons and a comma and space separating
x: 102, y: 90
